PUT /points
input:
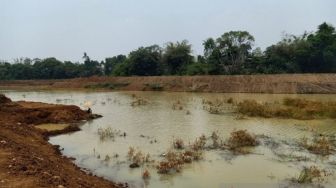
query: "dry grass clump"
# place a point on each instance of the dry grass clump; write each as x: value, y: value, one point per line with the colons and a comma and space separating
x: 178, y: 144
x: 174, y: 161
x: 312, y: 174
x: 139, y: 102
x: 230, y: 100
x: 108, y: 133
x: 320, y: 146
x: 217, y: 106
x: 137, y: 158
x: 253, y: 108
x: 198, y: 144
x: 146, y: 174
x: 177, y: 105
x: 215, y: 140
x: 241, y: 138
x: 290, y: 108
x: 107, y: 158
x: 214, y: 107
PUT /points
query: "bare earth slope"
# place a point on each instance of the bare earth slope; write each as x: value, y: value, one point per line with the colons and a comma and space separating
x: 26, y: 157
x: 281, y: 83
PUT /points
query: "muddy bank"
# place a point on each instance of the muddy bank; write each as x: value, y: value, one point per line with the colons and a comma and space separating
x: 26, y: 157
x: 284, y: 83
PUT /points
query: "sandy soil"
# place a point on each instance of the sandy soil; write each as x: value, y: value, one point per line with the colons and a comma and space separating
x: 281, y: 83
x: 26, y: 157
x: 52, y: 126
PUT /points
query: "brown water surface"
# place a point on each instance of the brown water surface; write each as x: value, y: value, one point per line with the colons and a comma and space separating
x: 158, y: 121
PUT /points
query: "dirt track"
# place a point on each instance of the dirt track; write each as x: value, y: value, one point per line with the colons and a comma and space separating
x: 26, y: 157
x: 284, y: 83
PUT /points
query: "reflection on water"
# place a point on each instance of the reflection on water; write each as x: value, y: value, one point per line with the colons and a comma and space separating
x: 158, y: 121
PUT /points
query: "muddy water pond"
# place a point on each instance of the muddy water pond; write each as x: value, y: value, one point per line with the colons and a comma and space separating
x: 153, y: 126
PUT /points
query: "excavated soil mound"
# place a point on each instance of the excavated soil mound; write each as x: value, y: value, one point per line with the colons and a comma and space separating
x: 4, y: 99
x: 38, y: 113
x: 27, y: 159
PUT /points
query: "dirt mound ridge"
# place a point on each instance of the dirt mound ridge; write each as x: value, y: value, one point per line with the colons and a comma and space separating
x: 37, y: 113
x: 276, y: 83
x: 26, y: 157
x: 4, y: 99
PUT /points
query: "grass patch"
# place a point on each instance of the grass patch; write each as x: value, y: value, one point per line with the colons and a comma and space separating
x: 290, y: 108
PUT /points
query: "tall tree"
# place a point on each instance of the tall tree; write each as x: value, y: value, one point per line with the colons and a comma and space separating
x: 112, y: 62
x: 177, y: 56
x: 230, y: 50
x: 145, y: 61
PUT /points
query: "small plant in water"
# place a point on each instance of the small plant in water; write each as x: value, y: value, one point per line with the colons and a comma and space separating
x: 177, y: 105
x: 198, y: 144
x: 178, y: 144
x: 217, y: 106
x: 108, y: 133
x: 241, y: 138
x: 172, y: 163
x: 137, y: 158
x: 107, y: 158
x: 321, y: 146
x: 230, y: 100
x: 311, y: 175
x: 215, y: 140
x: 174, y: 160
x: 139, y: 102
x: 146, y: 174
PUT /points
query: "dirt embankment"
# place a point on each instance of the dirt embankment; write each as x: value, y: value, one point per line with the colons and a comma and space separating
x: 282, y: 83
x: 26, y: 157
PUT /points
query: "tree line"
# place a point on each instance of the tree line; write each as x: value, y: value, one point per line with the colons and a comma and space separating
x: 232, y: 53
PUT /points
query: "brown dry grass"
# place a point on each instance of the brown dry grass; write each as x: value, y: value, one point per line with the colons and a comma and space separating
x: 217, y: 106
x: 320, y: 146
x: 312, y: 174
x: 139, y: 102
x: 137, y: 157
x: 241, y: 138
x: 178, y: 144
x: 291, y: 108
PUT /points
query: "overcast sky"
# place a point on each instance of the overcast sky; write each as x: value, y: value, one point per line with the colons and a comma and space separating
x: 104, y: 28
